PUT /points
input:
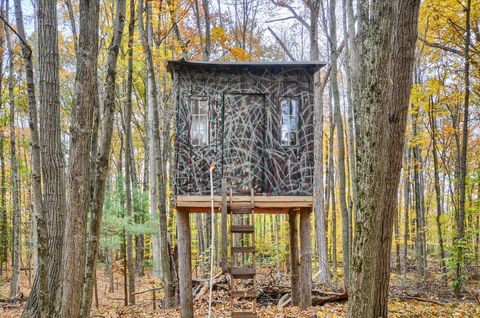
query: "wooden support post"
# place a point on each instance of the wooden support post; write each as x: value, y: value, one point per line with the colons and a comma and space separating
x: 294, y: 262
x: 305, y: 259
x: 184, y: 264
x: 224, y: 225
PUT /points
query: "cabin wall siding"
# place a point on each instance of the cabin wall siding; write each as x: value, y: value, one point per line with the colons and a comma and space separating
x: 283, y: 170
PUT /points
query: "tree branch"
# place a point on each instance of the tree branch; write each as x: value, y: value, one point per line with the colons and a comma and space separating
x: 440, y: 46
x: 294, y: 13
x: 24, y: 41
x: 284, y: 47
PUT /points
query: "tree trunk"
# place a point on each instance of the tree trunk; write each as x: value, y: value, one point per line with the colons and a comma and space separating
x: 53, y: 165
x: 156, y: 167
x: 79, y: 159
x: 319, y: 212
x: 459, y: 250
x: 385, y: 43
x: 438, y: 194
x: 128, y: 158
x: 420, y: 242
x: 3, y: 189
x: 102, y: 159
x: 406, y: 198
x: 340, y: 144
x: 294, y: 259
x: 39, y: 224
x: 14, y: 178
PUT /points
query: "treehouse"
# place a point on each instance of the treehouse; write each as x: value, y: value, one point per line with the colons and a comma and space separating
x: 253, y: 122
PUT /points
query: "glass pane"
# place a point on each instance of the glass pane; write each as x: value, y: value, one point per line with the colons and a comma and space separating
x: 284, y: 106
x: 194, y: 103
x: 289, y: 108
x: 203, y: 107
x: 294, y: 107
x: 285, y: 138
x: 195, y: 138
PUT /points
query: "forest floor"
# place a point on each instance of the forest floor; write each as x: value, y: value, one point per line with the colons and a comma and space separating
x: 408, y: 298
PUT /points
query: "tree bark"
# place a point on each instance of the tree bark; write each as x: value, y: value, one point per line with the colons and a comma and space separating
x: 14, y: 178
x: 459, y: 250
x: 294, y: 259
x: 79, y: 159
x: 340, y: 144
x: 38, y: 205
x: 128, y: 156
x: 420, y: 241
x: 3, y: 189
x: 184, y: 264
x: 156, y: 165
x: 406, y: 206
x: 438, y: 193
x: 385, y: 43
x: 305, y: 260
x: 53, y: 163
x: 102, y: 161
x: 319, y: 212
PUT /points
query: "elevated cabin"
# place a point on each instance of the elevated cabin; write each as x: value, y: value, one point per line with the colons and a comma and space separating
x: 254, y: 121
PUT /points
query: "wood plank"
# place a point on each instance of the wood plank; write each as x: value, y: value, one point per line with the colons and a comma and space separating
x: 242, y: 272
x: 241, y: 210
x: 242, y: 229
x: 243, y: 249
x: 201, y: 201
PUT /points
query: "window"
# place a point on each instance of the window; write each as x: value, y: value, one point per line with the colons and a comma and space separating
x: 289, y: 121
x: 199, y: 128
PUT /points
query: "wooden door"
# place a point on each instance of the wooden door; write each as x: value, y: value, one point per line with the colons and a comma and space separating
x: 243, y: 141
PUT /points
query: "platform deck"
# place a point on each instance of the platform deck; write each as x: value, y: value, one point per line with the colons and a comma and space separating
x: 262, y: 204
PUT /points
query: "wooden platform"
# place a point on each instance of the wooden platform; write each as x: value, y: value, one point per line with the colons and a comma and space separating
x: 262, y: 204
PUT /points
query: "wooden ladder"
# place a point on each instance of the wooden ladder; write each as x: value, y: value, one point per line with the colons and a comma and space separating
x: 247, y: 215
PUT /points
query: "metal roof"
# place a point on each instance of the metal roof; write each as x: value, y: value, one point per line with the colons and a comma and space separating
x: 309, y: 65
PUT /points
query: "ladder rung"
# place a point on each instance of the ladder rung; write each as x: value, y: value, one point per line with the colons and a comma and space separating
x: 242, y: 229
x: 240, y: 205
x: 242, y: 272
x: 243, y: 294
x: 243, y: 249
x: 241, y: 210
x: 244, y: 314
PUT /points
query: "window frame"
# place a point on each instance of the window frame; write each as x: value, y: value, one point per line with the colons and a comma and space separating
x: 297, y: 123
x: 199, y: 115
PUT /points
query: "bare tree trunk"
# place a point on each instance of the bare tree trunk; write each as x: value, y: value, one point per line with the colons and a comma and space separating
x: 102, y: 159
x: 156, y: 164
x: 406, y: 198
x: 438, y: 194
x: 206, y: 50
x: 463, y: 158
x: 146, y: 37
x: 319, y: 212
x: 420, y: 241
x: 331, y: 185
x: 39, y: 225
x: 79, y: 159
x: 340, y: 144
x: 14, y: 177
x: 52, y: 165
x: 128, y: 157
x: 3, y: 189
x: 386, y: 44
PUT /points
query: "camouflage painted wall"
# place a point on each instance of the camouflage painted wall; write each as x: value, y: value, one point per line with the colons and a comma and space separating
x: 245, y: 131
